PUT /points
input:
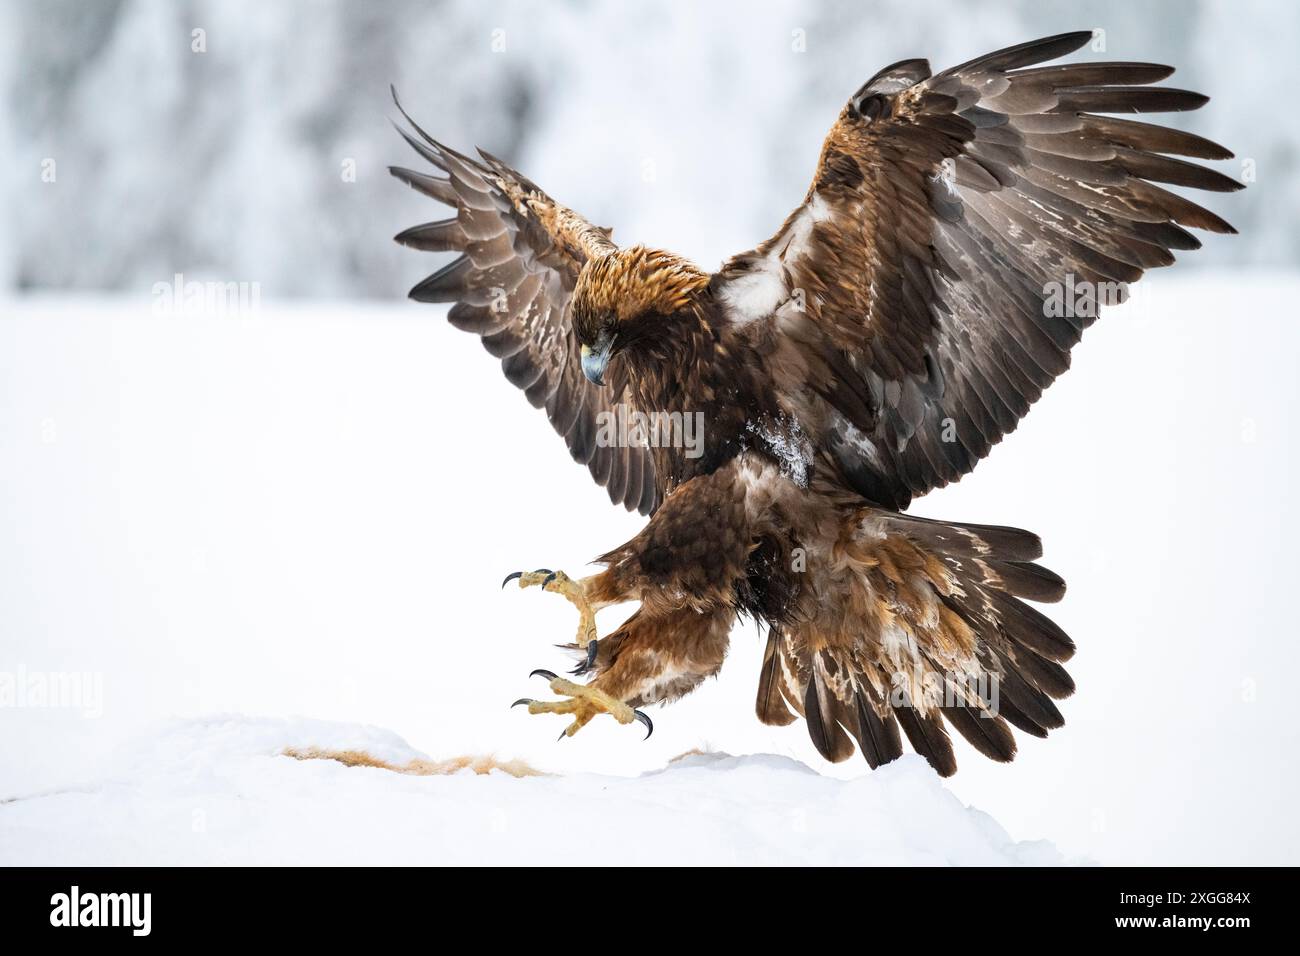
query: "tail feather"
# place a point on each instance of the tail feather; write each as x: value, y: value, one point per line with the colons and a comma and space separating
x: 771, y: 705
x: 968, y: 540
x: 878, y: 737
x: 928, y: 738
x: 1029, y: 581
x: 1048, y: 676
x: 1030, y: 629
x: 929, y: 626
x: 1018, y: 719
x: 1016, y: 694
x: 987, y: 734
x: 822, y: 711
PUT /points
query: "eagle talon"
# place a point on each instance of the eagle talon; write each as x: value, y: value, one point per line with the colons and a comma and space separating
x: 515, y: 575
x: 557, y: 582
x: 589, y: 662
x: 582, y: 701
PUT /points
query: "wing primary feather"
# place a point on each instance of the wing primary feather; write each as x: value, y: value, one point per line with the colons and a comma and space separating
x: 445, y: 285
x: 435, y: 187
x: 1025, y: 54
x: 442, y: 236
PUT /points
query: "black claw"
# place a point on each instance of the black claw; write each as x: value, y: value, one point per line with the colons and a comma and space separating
x: 512, y: 576
x: 645, y: 719
x: 563, y: 733
x: 543, y: 673
x: 522, y: 700
x: 548, y: 579
x: 543, y: 571
x: 589, y: 662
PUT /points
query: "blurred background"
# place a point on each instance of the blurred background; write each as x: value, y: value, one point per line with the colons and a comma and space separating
x: 305, y: 504
x: 248, y: 141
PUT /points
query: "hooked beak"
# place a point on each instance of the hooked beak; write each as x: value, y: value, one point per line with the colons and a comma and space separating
x: 594, y: 360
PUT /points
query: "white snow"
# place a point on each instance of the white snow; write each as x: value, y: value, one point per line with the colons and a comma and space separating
x: 219, y: 791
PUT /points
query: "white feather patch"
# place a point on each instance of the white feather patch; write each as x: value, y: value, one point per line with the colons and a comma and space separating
x: 766, y: 285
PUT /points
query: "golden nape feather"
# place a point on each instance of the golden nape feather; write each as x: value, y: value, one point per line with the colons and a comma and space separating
x: 961, y: 231
x: 626, y: 283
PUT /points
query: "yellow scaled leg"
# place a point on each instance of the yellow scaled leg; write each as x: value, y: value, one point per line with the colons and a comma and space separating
x: 560, y: 583
x: 583, y: 702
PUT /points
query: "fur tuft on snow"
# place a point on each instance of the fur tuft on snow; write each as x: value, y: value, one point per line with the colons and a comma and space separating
x: 420, y: 768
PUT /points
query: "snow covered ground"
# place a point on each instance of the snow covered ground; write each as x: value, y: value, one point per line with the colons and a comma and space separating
x: 300, y: 510
x: 220, y: 791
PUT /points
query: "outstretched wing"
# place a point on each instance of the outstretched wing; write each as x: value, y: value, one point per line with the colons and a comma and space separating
x: 519, y: 255
x: 958, y: 236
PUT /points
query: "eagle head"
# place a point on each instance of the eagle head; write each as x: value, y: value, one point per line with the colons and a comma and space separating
x: 626, y: 299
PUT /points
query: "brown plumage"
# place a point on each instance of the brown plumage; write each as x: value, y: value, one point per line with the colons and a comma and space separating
x: 899, y: 323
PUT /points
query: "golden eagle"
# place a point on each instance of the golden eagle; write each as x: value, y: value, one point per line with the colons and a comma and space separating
x: 899, y: 323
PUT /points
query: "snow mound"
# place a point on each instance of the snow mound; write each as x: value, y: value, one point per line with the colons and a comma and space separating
x: 220, y: 790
